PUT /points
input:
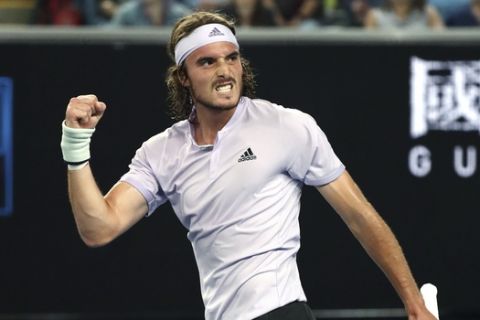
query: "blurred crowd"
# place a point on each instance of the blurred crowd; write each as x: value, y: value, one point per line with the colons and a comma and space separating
x: 374, y: 14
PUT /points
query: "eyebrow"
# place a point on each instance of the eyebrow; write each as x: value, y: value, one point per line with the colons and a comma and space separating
x: 233, y: 54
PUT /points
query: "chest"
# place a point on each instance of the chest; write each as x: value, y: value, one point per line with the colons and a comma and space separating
x: 215, y: 183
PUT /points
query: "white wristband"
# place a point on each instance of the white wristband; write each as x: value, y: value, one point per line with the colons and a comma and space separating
x: 75, y: 144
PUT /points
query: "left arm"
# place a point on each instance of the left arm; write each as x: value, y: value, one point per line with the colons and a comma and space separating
x: 377, y: 239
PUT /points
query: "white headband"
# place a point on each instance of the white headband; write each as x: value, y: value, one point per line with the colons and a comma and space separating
x: 206, y: 34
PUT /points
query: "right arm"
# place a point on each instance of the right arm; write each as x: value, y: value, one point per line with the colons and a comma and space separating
x: 99, y: 219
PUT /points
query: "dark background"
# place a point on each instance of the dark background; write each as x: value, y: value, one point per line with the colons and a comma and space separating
x: 359, y: 95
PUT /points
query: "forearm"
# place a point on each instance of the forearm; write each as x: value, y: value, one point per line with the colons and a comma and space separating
x: 375, y: 236
x: 94, y: 217
x: 99, y: 218
x: 382, y: 246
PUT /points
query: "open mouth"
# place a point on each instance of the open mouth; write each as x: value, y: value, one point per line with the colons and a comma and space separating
x: 223, y: 88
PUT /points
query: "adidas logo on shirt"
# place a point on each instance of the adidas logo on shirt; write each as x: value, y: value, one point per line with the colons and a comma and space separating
x: 247, y: 155
x: 215, y: 32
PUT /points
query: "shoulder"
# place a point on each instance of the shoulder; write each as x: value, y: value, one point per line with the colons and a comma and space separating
x: 266, y: 106
x: 275, y: 114
x: 269, y: 107
x: 170, y: 137
x: 263, y: 110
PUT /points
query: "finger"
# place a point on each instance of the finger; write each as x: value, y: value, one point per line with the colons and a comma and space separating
x: 79, y: 113
x: 99, y: 108
x: 84, y: 111
x: 77, y: 104
x: 78, y: 117
x: 88, y: 98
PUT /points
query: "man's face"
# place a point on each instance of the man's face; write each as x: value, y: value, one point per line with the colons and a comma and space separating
x: 214, y: 76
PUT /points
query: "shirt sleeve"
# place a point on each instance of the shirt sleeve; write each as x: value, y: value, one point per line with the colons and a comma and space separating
x: 313, y: 160
x: 142, y: 177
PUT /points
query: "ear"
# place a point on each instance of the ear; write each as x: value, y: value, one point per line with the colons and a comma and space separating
x: 184, y: 80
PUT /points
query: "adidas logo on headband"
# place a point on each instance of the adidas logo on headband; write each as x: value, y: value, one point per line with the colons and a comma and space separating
x: 215, y: 32
x: 201, y: 36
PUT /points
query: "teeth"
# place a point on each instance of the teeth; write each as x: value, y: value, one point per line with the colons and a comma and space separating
x: 224, y: 88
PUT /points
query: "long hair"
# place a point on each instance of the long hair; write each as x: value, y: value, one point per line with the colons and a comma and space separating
x: 179, y: 99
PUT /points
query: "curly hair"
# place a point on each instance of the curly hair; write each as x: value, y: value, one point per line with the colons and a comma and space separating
x: 179, y: 99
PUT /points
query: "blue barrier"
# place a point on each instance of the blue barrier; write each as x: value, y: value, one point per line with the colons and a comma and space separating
x: 6, y: 148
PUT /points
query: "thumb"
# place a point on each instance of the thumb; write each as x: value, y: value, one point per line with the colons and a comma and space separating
x: 99, y: 108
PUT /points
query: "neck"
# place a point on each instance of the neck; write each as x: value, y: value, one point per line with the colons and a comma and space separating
x: 209, y: 121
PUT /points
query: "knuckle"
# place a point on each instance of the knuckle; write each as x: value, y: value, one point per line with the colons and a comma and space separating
x: 91, y: 97
x: 88, y: 98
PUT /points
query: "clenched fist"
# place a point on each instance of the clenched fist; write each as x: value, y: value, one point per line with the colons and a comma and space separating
x: 84, y: 112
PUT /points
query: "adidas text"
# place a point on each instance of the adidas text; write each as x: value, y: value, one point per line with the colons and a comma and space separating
x: 243, y: 158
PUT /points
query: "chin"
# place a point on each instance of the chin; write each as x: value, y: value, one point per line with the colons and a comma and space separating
x: 229, y: 104
x: 216, y: 100
x: 223, y: 106
x: 223, y: 103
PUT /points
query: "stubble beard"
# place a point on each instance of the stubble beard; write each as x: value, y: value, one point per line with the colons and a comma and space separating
x: 213, y: 107
x: 218, y: 108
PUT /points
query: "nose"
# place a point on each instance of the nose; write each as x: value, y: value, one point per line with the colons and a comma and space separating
x: 223, y: 69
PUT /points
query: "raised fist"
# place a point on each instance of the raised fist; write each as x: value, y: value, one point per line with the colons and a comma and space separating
x: 84, y: 112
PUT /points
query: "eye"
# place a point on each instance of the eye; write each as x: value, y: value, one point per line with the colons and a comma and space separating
x: 233, y: 57
x: 205, y: 62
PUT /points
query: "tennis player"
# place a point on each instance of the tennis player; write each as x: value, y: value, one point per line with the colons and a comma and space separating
x: 232, y: 168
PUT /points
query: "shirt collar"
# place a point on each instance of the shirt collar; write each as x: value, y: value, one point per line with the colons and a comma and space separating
x: 230, y: 124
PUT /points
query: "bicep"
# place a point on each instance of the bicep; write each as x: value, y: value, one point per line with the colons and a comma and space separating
x: 127, y: 204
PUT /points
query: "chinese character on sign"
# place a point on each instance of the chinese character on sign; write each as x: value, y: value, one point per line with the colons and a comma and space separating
x: 444, y: 96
